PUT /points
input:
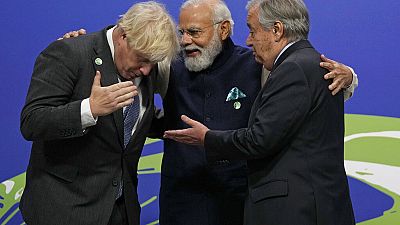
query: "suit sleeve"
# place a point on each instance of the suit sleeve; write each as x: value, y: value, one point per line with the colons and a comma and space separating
x: 284, y: 105
x: 50, y: 112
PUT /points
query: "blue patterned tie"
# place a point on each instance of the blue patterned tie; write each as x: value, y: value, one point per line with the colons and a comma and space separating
x: 131, y: 114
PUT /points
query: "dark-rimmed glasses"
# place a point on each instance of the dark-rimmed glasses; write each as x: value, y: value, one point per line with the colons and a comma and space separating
x: 193, y: 32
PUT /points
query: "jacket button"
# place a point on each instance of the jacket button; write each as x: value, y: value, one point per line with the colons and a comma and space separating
x: 115, y: 182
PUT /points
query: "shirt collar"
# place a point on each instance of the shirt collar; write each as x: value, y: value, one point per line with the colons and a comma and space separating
x: 283, y: 50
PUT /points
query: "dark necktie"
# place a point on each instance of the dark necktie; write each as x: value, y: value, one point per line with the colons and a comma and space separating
x: 131, y: 115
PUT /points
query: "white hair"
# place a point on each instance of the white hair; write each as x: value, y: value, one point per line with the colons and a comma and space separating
x: 220, y: 10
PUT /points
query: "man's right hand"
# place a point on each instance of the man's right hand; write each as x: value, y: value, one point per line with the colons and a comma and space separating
x: 74, y: 33
x: 106, y: 100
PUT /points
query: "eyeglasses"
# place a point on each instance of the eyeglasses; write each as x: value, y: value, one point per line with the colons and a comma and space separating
x: 195, y: 32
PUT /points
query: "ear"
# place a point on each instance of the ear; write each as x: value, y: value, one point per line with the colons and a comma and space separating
x: 278, y: 30
x: 225, y: 30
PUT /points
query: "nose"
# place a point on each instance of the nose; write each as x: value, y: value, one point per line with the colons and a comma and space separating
x: 186, y: 39
x: 145, y: 70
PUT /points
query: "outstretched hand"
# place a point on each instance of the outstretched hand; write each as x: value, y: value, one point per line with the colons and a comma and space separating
x: 192, y: 136
x: 106, y: 100
x: 74, y: 33
x: 340, y: 73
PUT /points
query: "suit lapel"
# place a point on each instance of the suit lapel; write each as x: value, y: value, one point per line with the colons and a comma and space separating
x: 108, y: 75
x: 296, y: 46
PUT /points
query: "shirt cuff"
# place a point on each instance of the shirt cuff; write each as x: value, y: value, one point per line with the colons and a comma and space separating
x: 349, y: 91
x: 87, y: 119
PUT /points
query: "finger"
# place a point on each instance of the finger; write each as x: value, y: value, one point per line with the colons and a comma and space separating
x: 171, y: 137
x: 177, y: 133
x: 126, y: 91
x: 66, y: 35
x: 180, y: 138
x: 121, y: 85
x: 326, y: 59
x: 82, y: 31
x: 330, y: 75
x: 335, y: 91
x: 75, y: 34
x: 124, y: 103
x: 334, y: 85
x: 327, y: 65
x: 96, y: 80
x: 189, y: 121
x: 186, y: 140
x: 126, y: 97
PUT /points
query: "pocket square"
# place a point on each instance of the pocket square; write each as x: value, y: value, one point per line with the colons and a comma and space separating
x: 235, y: 94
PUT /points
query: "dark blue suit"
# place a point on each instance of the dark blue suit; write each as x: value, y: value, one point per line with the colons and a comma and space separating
x: 193, y: 191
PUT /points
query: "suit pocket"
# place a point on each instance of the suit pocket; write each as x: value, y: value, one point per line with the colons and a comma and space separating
x: 271, y: 189
x: 63, y: 171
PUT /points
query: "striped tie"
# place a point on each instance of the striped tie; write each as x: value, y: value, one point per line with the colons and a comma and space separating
x: 131, y: 115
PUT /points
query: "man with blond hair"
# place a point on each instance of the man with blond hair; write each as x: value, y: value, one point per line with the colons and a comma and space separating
x: 88, y: 110
x: 216, y: 82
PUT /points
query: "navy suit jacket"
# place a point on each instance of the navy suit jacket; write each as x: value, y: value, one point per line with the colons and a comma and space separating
x: 293, y: 146
x: 73, y: 175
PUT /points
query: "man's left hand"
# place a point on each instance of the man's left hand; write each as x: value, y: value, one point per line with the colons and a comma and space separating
x: 340, y: 73
x: 192, y: 136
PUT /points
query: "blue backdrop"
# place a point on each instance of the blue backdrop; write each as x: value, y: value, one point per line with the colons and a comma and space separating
x: 362, y: 34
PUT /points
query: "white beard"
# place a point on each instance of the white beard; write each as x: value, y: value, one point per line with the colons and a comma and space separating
x: 207, y: 56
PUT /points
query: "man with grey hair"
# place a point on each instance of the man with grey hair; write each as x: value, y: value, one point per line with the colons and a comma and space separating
x: 215, y: 82
x: 88, y: 110
x: 293, y: 143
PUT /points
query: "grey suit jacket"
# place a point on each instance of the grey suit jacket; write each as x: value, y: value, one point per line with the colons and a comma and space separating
x: 293, y: 146
x: 73, y: 175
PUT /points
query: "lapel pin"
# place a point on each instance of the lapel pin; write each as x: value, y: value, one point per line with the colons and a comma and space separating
x: 237, y: 105
x: 235, y: 94
x: 98, y: 61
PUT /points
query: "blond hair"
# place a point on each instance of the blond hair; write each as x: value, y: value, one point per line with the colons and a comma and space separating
x: 151, y: 31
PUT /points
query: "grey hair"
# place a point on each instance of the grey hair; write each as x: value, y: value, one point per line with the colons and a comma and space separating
x: 292, y: 13
x: 220, y: 10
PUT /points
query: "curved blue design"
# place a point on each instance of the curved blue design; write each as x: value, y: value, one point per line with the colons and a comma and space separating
x: 373, y: 206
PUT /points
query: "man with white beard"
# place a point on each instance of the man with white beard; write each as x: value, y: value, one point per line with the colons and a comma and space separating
x: 214, y: 82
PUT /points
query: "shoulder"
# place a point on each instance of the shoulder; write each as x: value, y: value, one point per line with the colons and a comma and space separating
x: 241, y: 51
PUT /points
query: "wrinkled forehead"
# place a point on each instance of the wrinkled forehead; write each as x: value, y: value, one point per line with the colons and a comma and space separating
x: 253, y: 17
x: 195, y: 16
